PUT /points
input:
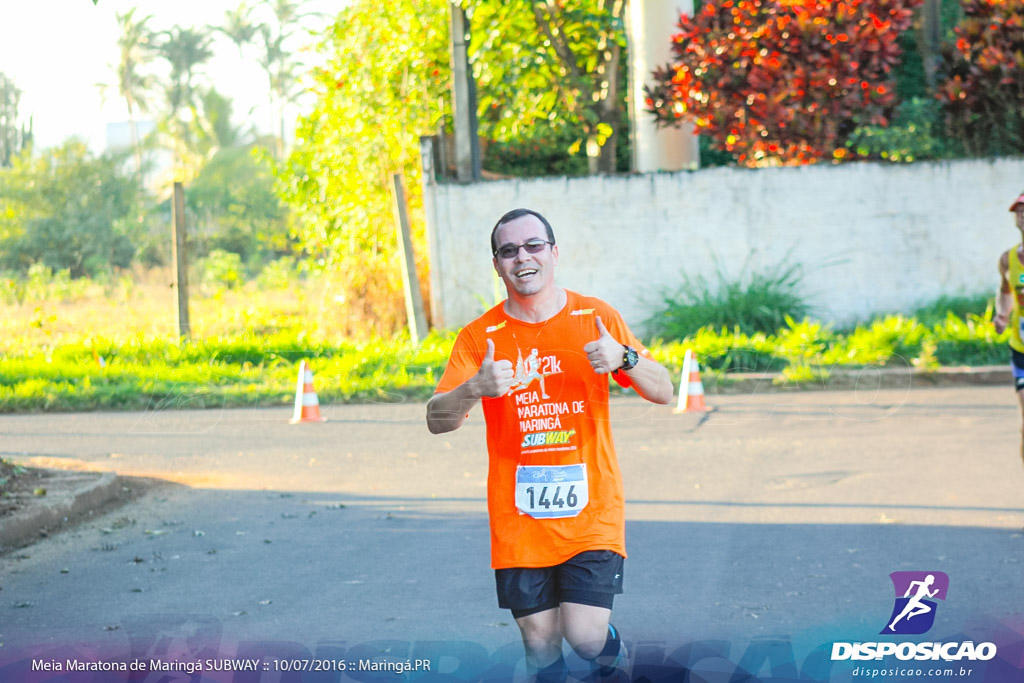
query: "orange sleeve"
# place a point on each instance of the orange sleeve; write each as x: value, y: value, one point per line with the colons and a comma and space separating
x: 463, y: 363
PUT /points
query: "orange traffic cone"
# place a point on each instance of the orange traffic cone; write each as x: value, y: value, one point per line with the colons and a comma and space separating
x: 691, y: 389
x: 307, y: 405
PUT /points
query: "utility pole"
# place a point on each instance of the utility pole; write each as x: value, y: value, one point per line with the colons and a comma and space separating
x: 650, y: 24
x: 179, y: 255
x: 467, y: 142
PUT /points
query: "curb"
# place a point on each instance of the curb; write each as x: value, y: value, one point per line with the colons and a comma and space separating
x: 869, y: 378
x: 26, y: 526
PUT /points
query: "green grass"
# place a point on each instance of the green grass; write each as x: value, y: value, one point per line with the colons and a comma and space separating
x: 260, y: 371
x: 248, y: 344
x: 249, y: 371
x: 760, y: 304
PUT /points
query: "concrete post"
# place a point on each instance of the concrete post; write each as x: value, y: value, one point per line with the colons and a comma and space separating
x: 651, y: 26
x: 428, y: 155
x: 467, y: 145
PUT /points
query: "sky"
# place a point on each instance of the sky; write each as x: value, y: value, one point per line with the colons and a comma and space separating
x: 57, y: 51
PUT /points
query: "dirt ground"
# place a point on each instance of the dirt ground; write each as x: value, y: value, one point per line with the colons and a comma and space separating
x: 25, y: 491
x: 21, y: 487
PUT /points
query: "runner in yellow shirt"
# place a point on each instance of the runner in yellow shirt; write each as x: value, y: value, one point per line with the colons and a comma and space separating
x: 1009, y: 303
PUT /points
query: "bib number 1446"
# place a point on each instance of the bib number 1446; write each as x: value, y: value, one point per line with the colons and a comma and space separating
x: 552, y: 491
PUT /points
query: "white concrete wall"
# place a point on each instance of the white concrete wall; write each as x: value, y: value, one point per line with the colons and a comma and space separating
x: 871, y: 237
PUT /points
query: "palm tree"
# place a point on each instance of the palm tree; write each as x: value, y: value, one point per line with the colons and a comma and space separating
x: 280, y: 65
x: 281, y: 80
x: 132, y: 83
x: 185, y: 49
x: 238, y: 26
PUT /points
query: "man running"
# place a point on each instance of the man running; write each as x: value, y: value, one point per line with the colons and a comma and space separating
x: 915, y: 606
x: 1009, y: 302
x: 554, y: 490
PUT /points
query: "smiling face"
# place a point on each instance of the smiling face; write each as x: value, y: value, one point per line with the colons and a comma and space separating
x: 525, y: 274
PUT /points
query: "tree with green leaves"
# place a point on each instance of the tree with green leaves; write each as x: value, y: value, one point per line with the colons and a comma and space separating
x: 386, y: 71
x: 68, y: 210
x: 233, y: 207
x: 551, y: 63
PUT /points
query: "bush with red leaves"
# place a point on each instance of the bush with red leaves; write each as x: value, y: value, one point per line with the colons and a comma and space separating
x: 782, y: 82
x: 984, y: 94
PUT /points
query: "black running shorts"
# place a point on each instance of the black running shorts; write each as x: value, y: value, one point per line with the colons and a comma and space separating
x: 594, y: 577
x: 1017, y: 363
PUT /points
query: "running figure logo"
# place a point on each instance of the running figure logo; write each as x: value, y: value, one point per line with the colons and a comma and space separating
x: 533, y: 367
x: 914, y: 612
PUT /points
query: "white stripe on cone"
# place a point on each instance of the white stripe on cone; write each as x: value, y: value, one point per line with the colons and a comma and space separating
x: 307, y: 405
x: 690, y: 381
x: 299, y: 391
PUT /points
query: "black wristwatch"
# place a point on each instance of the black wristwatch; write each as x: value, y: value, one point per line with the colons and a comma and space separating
x: 629, y: 358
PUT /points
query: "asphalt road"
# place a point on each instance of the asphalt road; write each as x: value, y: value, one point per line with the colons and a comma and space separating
x: 773, y: 523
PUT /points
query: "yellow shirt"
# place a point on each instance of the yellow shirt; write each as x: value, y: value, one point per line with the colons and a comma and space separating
x: 1016, y: 279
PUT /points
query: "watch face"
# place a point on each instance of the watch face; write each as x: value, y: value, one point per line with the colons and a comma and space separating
x: 630, y: 358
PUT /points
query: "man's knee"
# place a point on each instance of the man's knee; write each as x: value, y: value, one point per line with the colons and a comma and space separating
x: 542, y: 636
x: 589, y: 649
x: 586, y: 628
x: 542, y: 647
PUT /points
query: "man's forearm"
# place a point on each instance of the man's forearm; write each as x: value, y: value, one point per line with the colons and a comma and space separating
x: 651, y: 380
x: 446, y: 412
x: 1004, y: 302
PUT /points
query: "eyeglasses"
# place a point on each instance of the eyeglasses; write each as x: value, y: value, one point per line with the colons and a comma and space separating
x: 534, y: 246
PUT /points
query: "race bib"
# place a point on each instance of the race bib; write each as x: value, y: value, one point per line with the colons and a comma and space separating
x: 552, y: 491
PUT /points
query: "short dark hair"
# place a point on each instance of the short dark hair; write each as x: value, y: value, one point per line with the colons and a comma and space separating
x: 519, y: 213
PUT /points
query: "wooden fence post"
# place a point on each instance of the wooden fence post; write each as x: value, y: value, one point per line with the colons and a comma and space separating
x: 179, y: 255
x: 410, y: 281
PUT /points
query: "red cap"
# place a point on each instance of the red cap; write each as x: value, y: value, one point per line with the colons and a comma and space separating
x: 1016, y: 202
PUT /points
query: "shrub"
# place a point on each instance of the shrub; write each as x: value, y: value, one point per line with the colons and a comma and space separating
x: 758, y: 305
x: 980, y: 305
x: 279, y: 274
x: 879, y: 342
x: 969, y: 341
x: 915, y: 134
x: 222, y: 268
x: 723, y: 351
x: 783, y: 82
x: 539, y: 155
x: 984, y: 93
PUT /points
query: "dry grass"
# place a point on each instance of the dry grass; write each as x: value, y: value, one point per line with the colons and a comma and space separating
x: 144, y: 307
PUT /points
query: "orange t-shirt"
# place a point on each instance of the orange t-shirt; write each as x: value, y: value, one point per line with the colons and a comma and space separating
x: 556, y: 413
